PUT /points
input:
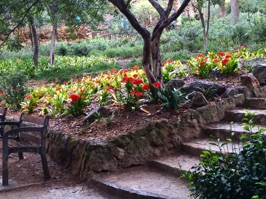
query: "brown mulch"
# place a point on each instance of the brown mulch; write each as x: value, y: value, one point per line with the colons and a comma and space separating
x: 124, y: 121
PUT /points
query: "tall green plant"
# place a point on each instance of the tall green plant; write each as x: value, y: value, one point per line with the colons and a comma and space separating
x: 232, y: 175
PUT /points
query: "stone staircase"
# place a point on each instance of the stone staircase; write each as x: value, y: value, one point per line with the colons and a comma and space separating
x: 160, y: 178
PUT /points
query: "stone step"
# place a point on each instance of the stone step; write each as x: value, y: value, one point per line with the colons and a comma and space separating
x: 257, y: 103
x: 195, y: 147
x: 142, y: 182
x: 224, y: 130
x: 175, y: 163
x: 237, y: 115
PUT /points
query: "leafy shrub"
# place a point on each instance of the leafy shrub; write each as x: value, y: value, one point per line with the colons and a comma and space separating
x: 234, y: 175
x: 14, y: 89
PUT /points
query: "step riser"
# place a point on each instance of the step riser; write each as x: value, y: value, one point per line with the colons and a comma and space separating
x: 223, y: 134
x: 259, y: 103
x: 186, y: 149
x: 122, y: 193
x: 238, y: 117
x: 165, y: 168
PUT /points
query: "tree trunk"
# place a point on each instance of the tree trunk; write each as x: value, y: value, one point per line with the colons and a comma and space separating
x: 53, y: 9
x: 151, y: 57
x: 53, y: 41
x: 34, y: 41
x: 222, y: 9
x: 234, y: 11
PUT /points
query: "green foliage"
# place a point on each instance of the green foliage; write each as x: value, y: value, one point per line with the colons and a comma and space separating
x: 231, y: 175
x: 13, y: 86
x: 171, y: 99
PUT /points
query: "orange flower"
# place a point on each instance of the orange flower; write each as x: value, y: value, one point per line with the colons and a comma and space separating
x: 58, y: 89
x: 157, y: 84
x: 113, y: 70
x: 164, y: 63
x: 136, y: 67
x: 19, y: 60
x: 135, y: 75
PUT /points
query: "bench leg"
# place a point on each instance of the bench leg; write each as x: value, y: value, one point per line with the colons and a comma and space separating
x: 5, y: 169
x: 20, y: 155
x: 45, y: 167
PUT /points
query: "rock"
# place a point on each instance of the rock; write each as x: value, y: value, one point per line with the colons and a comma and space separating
x: 175, y: 83
x: 199, y: 100
x: 90, y: 117
x: 233, y: 91
x: 259, y: 72
x: 119, y: 153
x: 209, y: 89
x: 250, y: 81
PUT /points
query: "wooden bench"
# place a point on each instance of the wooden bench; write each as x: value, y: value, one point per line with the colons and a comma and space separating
x: 29, y: 135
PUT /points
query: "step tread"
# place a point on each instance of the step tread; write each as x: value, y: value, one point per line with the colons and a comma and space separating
x: 146, y: 182
x: 204, y: 144
x: 256, y: 111
x: 234, y: 127
x: 179, y: 162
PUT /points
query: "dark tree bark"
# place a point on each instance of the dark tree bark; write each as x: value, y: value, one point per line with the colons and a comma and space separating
x: 35, y: 42
x: 151, y: 57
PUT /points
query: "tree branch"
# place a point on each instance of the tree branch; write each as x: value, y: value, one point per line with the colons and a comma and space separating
x: 21, y: 20
x: 121, y: 5
x: 157, y: 6
x: 169, y: 7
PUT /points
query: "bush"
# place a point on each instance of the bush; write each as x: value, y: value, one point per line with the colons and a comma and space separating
x: 14, y: 89
x: 234, y: 175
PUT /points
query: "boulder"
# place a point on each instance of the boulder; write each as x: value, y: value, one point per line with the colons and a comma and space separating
x: 209, y: 89
x: 175, y: 84
x: 259, y: 72
x: 199, y: 100
x: 250, y: 81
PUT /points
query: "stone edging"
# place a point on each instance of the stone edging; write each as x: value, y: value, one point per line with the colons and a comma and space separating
x: 83, y: 158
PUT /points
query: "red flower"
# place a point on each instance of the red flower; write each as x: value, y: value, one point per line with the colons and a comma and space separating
x: 125, y: 79
x: 170, y: 61
x: 138, y: 94
x: 135, y: 75
x: 164, y: 63
x: 157, y: 84
x: 131, y: 79
x: 74, y: 97
x: 146, y: 87
x: 242, y: 47
x: 137, y: 81
x: 198, y: 70
x: 236, y: 51
x: 202, y: 63
x: 221, y: 54
x: 225, y: 61
x: 200, y: 55
x: 215, y: 61
x: 28, y: 97
x: 1, y: 92
x: 58, y: 88
x: 228, y: 56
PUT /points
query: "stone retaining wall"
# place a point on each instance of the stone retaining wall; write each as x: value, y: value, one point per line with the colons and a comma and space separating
x: 83, y: 158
